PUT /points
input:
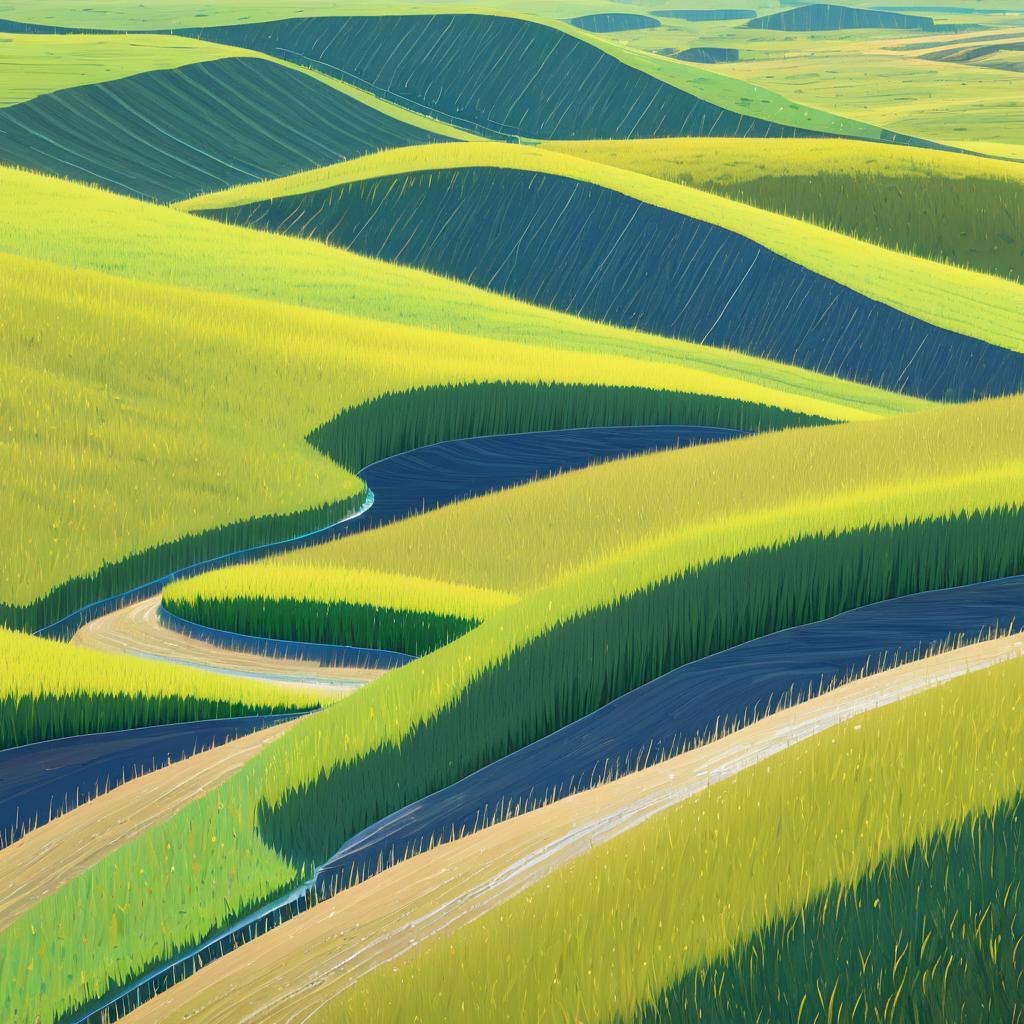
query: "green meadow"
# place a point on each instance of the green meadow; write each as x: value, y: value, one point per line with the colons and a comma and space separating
x: 266, y: 817
x: 227, y: 287
x: 920, y: 854
x: 910, y: 200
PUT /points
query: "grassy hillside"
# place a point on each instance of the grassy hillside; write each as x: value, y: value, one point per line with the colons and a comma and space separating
x: 49, y: 690
x: 510, y: 77
x: 645, y: 253
x: 836, y: 17
x: 556, y: 654
x: 34, y: 65
x: 948, y: 102
x: 147, y: 243
x: 169, y: 134
x: 553, y: 529
x: 87, y: 359
x: 959, y: 209
x: 859, y: 847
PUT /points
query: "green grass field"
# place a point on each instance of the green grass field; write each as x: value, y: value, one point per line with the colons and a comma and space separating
x: 590, y: 523
x: 935, y: 470
x: 49, y: 690
x: 207, y: 368
x: 979, y: 305
x: 99, y: 386
x: 624, y: 929
x: 910, y: 200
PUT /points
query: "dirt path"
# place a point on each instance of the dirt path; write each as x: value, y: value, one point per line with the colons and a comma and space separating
x: 136, y: 630
x: 49, y: 856
x: 295, y: 969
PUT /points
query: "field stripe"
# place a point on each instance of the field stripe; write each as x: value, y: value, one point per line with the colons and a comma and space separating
x: 298, y: 968
x: 48, y: 857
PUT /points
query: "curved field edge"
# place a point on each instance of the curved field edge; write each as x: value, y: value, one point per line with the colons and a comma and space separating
x: 964, y: 301
x: 125, y: 333
x: 732, y: 493
x: 149, y: 243
x: 412, y: 416
x: 312, y: 748
x: 163, y: 135
x: 638, y: 266
x: 457, y: 66
x: 46, y: 64
x: 35, y: 65
x: 608, y: 932
x: 920, y: 200
x: 50, y: 690
x: 395, y: 423
x: 603, y: 652
x: 303, y: 964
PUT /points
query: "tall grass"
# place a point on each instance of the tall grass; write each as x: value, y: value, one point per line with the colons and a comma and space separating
x: 604, y: 936
x: 932, y: 934
x: 49, y: 690
x: 357, y: 607
x: 708, y: 501
x: 164, y: 414
x: 959, y: 300
x: 151, y: 243
x: 425, y: 415
x: 575, y: 666
x: 957, y: 209
x: 841, y: 479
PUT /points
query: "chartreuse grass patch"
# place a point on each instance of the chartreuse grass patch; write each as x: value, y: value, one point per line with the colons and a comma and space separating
x: 935, y: 497
x: 49, y: 690
x: 169, y: 410
x: 882, y: 850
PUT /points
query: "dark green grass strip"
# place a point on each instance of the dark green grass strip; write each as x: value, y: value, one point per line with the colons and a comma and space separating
x: 170, y: 134
x: 578, y: 666
x: 972, y: 222
x: 396, y: 423
x: 346, y: 623
x: 49, y: 717
x: 498, y: 75
x: 404, y: 420
x: 932, y: 935
x: 137, y: 569
x: 626, y: 262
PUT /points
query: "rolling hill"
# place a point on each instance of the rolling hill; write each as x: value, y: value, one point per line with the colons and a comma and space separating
x: 910, y: 200
x: 169, y: 134
x: 647, y: 255
x: 509, y: 77
x: 837, y: 18
x: 217, y: 487
x: 519, y: 524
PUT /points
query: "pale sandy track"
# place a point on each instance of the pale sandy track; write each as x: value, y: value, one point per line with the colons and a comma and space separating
x: 287, y: 974
x: 136, y: 630
x: 49, y: 856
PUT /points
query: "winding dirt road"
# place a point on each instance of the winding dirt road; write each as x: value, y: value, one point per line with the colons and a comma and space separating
x: 301, y: 966
x: 137, y: 630
x: 50, y: 856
